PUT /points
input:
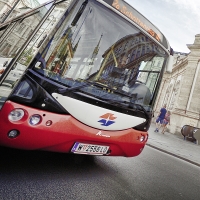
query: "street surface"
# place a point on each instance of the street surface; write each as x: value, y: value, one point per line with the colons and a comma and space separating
x: 45, y: 175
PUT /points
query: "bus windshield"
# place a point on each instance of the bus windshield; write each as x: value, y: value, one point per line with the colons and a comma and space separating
x: 81, y: 77
x: 99, y: 54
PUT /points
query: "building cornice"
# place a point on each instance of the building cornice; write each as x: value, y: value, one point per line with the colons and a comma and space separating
x: 186, y: 113
x: 194, y: 47
x: 180, y: 64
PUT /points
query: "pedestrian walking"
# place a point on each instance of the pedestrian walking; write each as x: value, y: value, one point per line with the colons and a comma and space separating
x: 160, y: 118
x: 166, y: 121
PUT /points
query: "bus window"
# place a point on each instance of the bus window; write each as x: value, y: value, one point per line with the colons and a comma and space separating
x: 14, y: 35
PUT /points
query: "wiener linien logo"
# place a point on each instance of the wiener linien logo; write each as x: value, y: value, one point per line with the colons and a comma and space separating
x: 107, y: 119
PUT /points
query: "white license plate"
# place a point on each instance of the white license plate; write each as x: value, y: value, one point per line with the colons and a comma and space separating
x: 82, y: 148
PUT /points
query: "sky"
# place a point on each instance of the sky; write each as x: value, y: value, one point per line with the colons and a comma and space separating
x: 178, y: 20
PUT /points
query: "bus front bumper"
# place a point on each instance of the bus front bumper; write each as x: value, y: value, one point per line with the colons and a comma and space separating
x: 61, y: 133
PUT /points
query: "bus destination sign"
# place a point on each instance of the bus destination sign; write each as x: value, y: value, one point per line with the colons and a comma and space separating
x: 135, y: 16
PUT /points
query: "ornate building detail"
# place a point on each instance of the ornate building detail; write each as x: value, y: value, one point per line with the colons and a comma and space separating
x: 181, y: 91
x: 175, y: 91
x: 12, y: 8
x: 168, y: 92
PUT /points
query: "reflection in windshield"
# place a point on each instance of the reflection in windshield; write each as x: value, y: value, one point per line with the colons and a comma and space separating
x: 107, y: 55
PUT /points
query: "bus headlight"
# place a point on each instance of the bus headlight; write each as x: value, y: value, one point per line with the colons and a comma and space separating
x: 35, y: 119
x: 16, y: 115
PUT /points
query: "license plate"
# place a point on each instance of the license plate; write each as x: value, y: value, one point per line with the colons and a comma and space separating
x: 82, y: 148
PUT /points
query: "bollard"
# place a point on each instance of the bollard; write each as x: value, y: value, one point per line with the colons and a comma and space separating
x: 196, y: 133
x: 188, y: 133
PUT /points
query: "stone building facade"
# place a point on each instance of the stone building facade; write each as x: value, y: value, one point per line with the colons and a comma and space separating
x: 180, y: 90
x: 20, y: 7
x: 17, y: 33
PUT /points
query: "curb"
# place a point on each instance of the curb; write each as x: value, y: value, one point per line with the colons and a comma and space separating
x: 172, y: 154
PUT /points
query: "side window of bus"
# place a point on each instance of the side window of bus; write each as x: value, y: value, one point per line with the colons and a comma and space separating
x: 14, y: 35
x: 41, y: 37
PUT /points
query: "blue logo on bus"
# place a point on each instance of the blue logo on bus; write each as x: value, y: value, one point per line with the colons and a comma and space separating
x: 107, y: 119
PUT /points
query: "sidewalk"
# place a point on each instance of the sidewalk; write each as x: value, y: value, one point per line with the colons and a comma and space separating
x: 174, y: 145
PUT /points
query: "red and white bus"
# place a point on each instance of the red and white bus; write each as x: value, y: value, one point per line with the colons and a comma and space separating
x: 93, y: 71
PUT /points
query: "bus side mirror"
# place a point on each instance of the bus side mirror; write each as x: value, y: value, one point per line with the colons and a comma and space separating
x: 170, y: 61
x: 169, y: 64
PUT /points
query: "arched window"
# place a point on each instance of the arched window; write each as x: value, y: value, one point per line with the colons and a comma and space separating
x: 147, y: 49
x: 126, y: 45
x: 133, y: 55
x: 128, y: 58
x: 143, y: 50
x: 119, y: 50
x: 138, y: 53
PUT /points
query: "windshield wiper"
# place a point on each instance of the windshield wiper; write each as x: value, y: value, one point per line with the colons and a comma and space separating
x: 129, y: 104
x: 141, y: 108
x: 70, y: 89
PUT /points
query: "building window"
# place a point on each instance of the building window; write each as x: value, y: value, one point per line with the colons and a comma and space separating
x: 133, y: 55
x: 116, y: 50
x: 148, y: 50
x: 110, y: 56
x: 126, y: 45
x: 28, y: 33
x: 120, y: 48
x: 6, y: 50
x: 128, y: 58
x: 2, y: 16
x: 143, y: 50
x: 138, y: 53
x: 20, y: 28
x: 120, y: 60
